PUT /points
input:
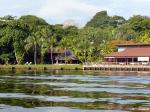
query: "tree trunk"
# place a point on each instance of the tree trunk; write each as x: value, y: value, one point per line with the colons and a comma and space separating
x: 65, y: 55
x: 42, y: 55
x: 16, y: 58
x: 51, y: 54
x: 85, y: 56
x: 35, y: 50
x: 42, y: 59
x: 19, y: 58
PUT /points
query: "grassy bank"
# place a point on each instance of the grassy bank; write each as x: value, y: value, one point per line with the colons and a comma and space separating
x: 43, y: 67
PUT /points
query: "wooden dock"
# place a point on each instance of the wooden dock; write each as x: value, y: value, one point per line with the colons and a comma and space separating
x: 128, y: 68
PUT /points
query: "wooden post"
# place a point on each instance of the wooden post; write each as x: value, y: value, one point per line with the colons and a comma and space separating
x: 132, y: 59
x: 115, y: 60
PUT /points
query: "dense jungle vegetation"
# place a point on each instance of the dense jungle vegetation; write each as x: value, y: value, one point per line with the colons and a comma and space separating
x: 29, y: 38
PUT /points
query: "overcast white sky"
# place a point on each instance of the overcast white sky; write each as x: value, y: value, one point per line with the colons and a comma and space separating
x: 57, y: 11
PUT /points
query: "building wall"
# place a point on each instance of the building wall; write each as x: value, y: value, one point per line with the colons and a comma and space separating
x: 122, y: 48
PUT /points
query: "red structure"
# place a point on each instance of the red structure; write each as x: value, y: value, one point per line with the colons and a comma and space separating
x: 130, y: 54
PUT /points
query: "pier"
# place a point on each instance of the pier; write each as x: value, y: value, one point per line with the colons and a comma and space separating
x: 128, y: 68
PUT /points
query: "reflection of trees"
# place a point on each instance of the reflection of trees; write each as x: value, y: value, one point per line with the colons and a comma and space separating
x: 102, y: 105
x: 29, y: 87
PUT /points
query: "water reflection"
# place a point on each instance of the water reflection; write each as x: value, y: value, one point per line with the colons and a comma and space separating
x: 50, y: 109
x: 73, y: 92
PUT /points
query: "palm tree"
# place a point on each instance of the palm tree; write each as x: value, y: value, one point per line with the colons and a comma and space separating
x: 52, y: 42
x: 48, y: 44
x: 32, y: 41
x: 42, y: 38
x: 48, y: 41
x: 65, y: 43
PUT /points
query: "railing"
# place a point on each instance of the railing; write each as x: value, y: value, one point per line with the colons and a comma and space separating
x: 94, y: 64
x: 120, y: 66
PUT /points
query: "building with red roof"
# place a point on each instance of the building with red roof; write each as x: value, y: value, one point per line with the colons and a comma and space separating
x: 130, y: 54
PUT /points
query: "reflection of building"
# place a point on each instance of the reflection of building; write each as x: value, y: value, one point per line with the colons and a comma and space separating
x: 130, y: 54
x: 60, y: 56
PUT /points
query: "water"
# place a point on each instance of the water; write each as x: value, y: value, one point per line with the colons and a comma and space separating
x: 74, y: 92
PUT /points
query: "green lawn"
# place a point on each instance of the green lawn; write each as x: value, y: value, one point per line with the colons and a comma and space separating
x: 46, y: 66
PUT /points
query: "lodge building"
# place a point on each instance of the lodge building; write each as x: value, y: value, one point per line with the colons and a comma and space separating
x: 130, y: 54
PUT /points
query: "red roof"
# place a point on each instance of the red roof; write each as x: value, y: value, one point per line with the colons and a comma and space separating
x: 132, y: 44
x: 132, y: 52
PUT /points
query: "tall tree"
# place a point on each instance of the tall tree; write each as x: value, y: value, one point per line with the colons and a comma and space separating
x: 103, y: 20
x: 47, y: 41
x: 15, y: 32
x: 35, y: 38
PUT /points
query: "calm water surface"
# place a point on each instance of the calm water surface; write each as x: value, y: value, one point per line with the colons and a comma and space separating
x: 74, y: 92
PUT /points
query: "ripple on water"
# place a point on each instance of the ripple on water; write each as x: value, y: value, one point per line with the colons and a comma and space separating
x: 6, y: 108
x: 68, y: 92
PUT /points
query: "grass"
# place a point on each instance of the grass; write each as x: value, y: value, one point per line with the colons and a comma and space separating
x: 44, y: 66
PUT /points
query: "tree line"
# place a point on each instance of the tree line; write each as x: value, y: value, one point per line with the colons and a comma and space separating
x: 30, y: 37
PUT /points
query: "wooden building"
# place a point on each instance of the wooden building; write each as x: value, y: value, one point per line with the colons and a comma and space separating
x: 61, y: 56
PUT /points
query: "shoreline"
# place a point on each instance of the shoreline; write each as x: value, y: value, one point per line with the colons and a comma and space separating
x: 42, y: 67
x: 76, y: 67
x: 117, y: 68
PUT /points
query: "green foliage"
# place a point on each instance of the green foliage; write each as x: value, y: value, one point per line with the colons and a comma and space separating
x: 5, y: 58
x: 31, y: 36
x: 139, y: 23
x: 144, y: 38
x: 86, y: 44
x: 8, y: 17
x: 102, y: 20
x: 124, y: 32
x: 33, y: 20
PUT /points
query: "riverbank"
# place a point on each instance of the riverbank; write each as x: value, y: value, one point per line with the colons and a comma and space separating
x: 43, y: 67
x: 118, y: 68
x: 95, y: 68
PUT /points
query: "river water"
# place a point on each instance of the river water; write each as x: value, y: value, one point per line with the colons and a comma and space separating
x: 74, y: 92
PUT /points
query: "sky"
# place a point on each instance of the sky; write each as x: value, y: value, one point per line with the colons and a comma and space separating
x: 81, y: 11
